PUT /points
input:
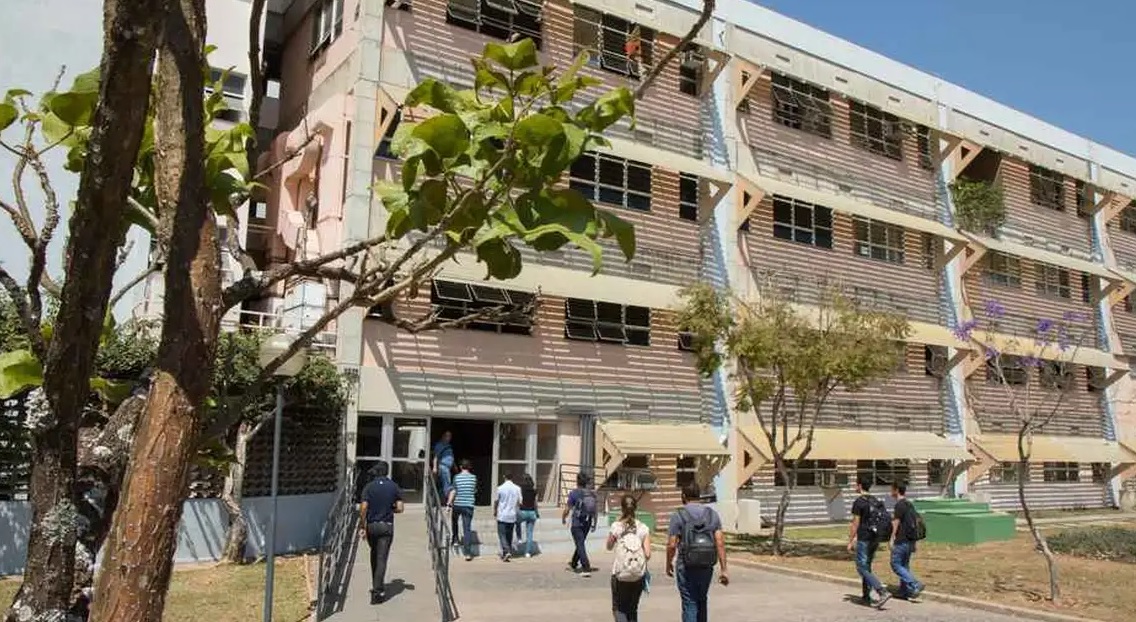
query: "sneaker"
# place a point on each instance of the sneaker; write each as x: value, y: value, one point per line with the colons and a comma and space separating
x: 528, y: 555
x: 586, y: 574
x: 469, y: 558
x: 915, y: 595
x: 883, y: 597
x: 506, y: 557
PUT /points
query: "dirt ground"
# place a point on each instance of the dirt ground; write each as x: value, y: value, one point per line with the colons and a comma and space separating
x: 1008, y: 572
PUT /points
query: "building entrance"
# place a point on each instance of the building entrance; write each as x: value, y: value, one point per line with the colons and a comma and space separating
x: 473, y: 441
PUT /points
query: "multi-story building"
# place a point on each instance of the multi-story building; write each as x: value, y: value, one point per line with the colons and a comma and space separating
x: 767, y: 152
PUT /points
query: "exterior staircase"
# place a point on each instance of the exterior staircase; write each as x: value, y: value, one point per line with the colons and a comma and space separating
x: 551, y: 538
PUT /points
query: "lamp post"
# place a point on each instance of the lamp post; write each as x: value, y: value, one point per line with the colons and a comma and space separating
x: 270, y: 350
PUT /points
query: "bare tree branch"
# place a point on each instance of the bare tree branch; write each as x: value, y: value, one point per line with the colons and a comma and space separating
x: 256, y: 63
x: 152, y: 268
x: 30, y: 327
x: 704, y: 17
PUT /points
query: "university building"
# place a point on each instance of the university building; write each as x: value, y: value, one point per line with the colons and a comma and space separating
x: 767, y: 152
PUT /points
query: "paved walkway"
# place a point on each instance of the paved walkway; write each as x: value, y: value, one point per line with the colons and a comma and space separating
x: 488, y: 590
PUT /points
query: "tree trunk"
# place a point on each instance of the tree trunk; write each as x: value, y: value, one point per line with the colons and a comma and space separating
x: 96, y: 232
x: 135, y: 574
x: 779, y: 521
x: 1038, y: 539
x: 233, y: 494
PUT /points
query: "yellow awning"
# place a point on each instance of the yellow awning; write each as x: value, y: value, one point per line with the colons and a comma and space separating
x: 842, y: 444
x: 852, y: 206
x: 1027, y: 346
x: 1043, y: 256
x: 667, y: 439
x: 1004, y: 447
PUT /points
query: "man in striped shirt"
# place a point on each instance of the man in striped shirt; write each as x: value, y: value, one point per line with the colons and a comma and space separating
x: 461, y: 501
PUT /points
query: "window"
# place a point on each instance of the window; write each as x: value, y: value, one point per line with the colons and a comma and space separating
x: 1003, y: 269
x: 802, y: 222
x: 608, y: 179
x: 402, y: 5
x: 1055, y: 375
x: 934, y: 360
x: 1006, y: 473
x: 590, y: 320
x: 1047, y: 188
x: 937, y: 472
x: 327, y: 23
x: 452, y: 300
x: 801, y: 106
x: 232, y: 91
x: 923, y: 141
x: 1053, y: 281
x: 384, y: 149
x: 1084, y: 198
x: 878, y: 240
x: 1061, y: 471
x: 932, y: 249
x: 1088, y: 287
x: 688, y: 197
x: 1128, y: 218
x: 686, y: 341
x: 1095, y: 378
x: 502, y: 19
x: 809, y: 473
x: 875, y: 130
x: 1012, y: 371
x: 1128, y: 303
x: 690, y: 70
x: 623, y: 47
x: 883, y: 472
x: 686, y: 467
x: 1101, y: 472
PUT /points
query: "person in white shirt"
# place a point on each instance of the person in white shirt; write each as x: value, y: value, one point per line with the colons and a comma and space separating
x: 630, y: 538
x: 505, y: 510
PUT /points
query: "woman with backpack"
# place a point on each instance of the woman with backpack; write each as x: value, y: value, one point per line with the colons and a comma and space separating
x: 630, y: 538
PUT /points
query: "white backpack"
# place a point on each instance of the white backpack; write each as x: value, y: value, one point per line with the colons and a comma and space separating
x: 630, y: 559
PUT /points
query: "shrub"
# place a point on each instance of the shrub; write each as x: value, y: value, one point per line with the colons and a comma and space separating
x: 979, y: 205
x: 1116, y: 544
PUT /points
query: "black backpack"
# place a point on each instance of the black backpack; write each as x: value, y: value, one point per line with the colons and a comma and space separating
x: 919, y: 530
x: 878, y: 520
x: 698, y: 548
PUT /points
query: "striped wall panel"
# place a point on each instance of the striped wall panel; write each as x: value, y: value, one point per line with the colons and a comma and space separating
x: 1123, y: 244
x: 1042, y: 495
x: 1022, y: 214
x: 1077, y: 414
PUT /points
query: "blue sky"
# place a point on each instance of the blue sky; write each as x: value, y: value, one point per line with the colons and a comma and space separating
x: 1049, y: 58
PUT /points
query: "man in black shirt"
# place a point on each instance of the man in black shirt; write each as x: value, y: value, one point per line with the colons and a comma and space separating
x: 862, y: 540
x: 903, y: 543
x: 382, y: 499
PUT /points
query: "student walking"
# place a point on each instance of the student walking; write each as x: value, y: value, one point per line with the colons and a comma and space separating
x: 906, y: 531
x: 871, y: 525
x: 695, y: 544
x: 630, y: 538
x: 443, y: 463
x: 528, y: 512
x: 462, y: 495
x: 505, y: 510
x: 582, y: 506
x: 381, y: 500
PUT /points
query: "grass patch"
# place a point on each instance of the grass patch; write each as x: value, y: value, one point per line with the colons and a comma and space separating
x: 1008, y: 572
x: 1116, y: 544
x: 223, y: 593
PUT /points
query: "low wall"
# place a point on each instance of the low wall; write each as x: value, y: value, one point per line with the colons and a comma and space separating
x: 201, y: 534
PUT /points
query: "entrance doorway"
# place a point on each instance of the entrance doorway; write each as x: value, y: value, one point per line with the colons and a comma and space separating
x: 473, y: 441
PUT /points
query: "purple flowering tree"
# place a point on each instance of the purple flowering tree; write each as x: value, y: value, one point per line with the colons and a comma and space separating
x: 1032, y: 371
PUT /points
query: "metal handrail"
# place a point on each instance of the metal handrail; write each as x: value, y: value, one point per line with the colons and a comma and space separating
x: 337, y: 543
x: 437, y: 531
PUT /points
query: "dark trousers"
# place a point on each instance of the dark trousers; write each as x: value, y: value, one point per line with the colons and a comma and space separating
x: 693, y: 589
x: 625, y: 599
x: 379, y: 538
x: 466, y: 514
x: 505, y: 537
x: 580, y: 555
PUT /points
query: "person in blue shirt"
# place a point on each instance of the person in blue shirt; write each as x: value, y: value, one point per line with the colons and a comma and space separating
x: 382, y: 499
x: 443, y: 469
x: 582, y: 506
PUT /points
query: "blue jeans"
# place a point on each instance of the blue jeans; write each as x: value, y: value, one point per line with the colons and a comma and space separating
x: 580, y: 559
x: 528, y: 518
x: 445, y: 480
x: 693, y: 588
x: 466, y: 515
x: 901, y: 564
x: 865, y: 553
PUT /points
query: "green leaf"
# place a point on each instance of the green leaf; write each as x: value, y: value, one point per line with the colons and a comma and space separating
x: 530, y: 84
x: 563, y: 150
x: 134, y: 216
x: 618, y: 228
x: 608, y: 109
x: 502, y: 260
x: 537, y: 130
x: 73, y: 108
x: 512, y: 56
x: 410, y: 168
x: 86, y: 83
x: 19, y: 370
x: 428, y: 204
x: 446, y: 135
x: 110, y: 391
x: 8, y: 115
x: 486, y: 77
x: 468, y: 218
x: 14, y: 94
x: 438, y: 95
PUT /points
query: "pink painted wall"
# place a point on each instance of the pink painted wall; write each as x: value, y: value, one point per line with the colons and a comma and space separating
x: 304, y: 71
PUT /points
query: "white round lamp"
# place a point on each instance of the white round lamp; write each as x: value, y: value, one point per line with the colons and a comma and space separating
x: 276, y: 345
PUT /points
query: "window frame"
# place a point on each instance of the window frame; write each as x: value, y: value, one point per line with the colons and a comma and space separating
x: 1102, y: 472
x: 453, y: 304
x: 1055, y: 375
x: 687, y: 206
x: 686, y: 470
x: 875, y: 130
x: 923, y: 140
x: 1061, y: 472
x: 1053, y: 281
x: 1047, y: 188
x: 327, y: 24
x: 937, y: 471
x: 596, y: 190
x: 606, y: 37
x: 1013, y: 370
x: 1008, y: 473
x: 593, y: 320
x: 382, y: 151
x: 885, y: 472
x: 691, y: 70
x: 799, y: 105
x: 1126, y: 221
x: 811, y: 472
x: 793, y: 232
x: 888, y: 249
x: 1009, y: 274
x: 496, y: 22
